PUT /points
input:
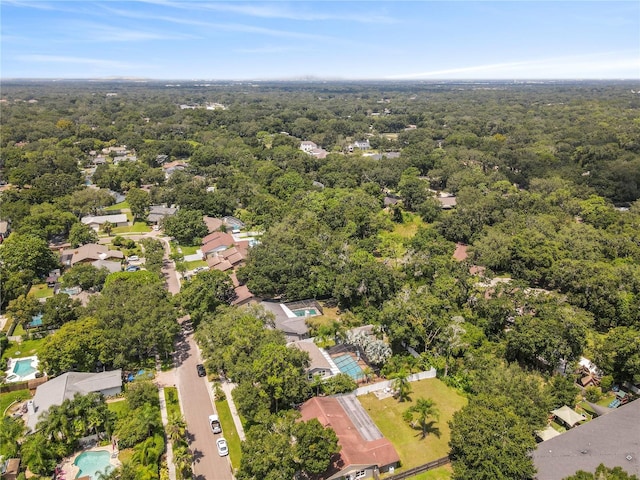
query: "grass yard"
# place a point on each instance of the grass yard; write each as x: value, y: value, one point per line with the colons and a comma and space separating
x: 387, y: 415
x: 8, y: 398
x: 41, y: 291
x: 120, y: 407
x: 440, y: 473
x: 26, y: 348
x: 229, y: 432
x: 173, y: 404
x: 118, y: 206
x: 137, y: 227
x: 195, y: 264
x: 188, y: 249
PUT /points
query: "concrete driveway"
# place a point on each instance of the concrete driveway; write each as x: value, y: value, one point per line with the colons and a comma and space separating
x: 197, y: 406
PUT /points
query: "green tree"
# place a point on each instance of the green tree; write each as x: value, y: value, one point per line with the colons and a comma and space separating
x: 46, y: 220
x: 185, y: 226
x: 107, y: 227
x: 314, y: 445
x: 618, y: 353
x: 60, y: 309
x: 205, y: 292
x: 85, y: 276
x: 402, y: 386
x: 81, y: 234
x: 89, y: 201
x: 424, y: 409
x: 27, y: 253
x: 11, y: 431
x: 23, y: 308
x: 603, y: 473
x: 490, y: 441
x: 139, y: 202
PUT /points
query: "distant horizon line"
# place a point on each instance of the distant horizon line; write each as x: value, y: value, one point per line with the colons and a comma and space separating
x: 320, y: 79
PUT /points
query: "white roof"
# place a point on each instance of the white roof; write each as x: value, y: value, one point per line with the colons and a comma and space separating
x: 548, y: 433
x: 100, y: 219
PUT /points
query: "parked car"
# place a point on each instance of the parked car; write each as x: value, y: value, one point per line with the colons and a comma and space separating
x: 214, y: 423
x: 132, y: 268
x: 201, y: 370
x: 133, y: 258
x: 223, y: 449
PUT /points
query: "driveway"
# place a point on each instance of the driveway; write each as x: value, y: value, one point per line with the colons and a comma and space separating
x: 197, y: 406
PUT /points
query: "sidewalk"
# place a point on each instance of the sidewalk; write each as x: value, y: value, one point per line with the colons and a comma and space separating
x: 165, y: 422
x: 227, y: 388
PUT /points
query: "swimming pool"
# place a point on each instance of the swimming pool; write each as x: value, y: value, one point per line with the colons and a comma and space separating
x: 303, y: 313
x: 347, y: 364
x: 93, y: 463
x: 24, y: 368
x: 36, y: 321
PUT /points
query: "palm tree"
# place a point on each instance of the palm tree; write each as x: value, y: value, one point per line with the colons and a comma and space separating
x: 38, y: 454
x: 401, y: 385
x: 182, y: 459
x: 107, y: 227
x: 176, y: 428
x: 11, y: 430
x: 424, y: 409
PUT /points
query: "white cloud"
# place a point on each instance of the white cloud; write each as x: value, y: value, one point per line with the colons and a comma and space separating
x: 593, y: 66
x: 92, y: 62
x: 278, y: 10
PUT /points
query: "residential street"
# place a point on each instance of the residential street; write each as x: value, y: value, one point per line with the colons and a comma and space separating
x: 197, y: 406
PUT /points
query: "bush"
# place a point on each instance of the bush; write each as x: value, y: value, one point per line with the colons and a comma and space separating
x: 219, y: 393
x: 593, y: 394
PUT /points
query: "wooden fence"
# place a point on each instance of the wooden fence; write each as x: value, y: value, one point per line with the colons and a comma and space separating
x: 419, y: 469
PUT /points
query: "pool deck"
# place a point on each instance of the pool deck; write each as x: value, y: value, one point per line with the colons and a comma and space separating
x: 69, y: 470
x: 12, y: 377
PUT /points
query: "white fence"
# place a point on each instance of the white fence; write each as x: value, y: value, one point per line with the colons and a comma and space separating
x: 376, y: 387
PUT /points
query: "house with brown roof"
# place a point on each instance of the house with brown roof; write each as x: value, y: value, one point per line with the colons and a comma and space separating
x: 364, y: 451
x: 216, y: 242
x: 89, y: 253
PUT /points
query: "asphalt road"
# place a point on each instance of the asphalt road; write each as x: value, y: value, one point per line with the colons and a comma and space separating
x: 197, y: 407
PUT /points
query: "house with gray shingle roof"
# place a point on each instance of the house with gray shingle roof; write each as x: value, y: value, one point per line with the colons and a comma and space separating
x: 67, y: 386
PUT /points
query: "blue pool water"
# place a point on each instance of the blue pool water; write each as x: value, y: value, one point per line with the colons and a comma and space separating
x: 302, y: 313
x: 93, y: 463
x: 36, y: 321
x: 347, y: 364
x: 22, y: 368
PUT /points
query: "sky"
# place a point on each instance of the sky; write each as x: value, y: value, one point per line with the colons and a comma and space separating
x: 336, y: 40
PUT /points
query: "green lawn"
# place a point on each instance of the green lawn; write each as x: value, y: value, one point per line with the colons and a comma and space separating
x: 189, y: 250
x: 120, y: 408
x: 229, y: 432
x: 26, y: 348
x: 41, y: 291
x: 440, y: 473
x: 195, y: 264
x: 137, y: 227
x: 8, y: 398
x: 118, y: 206
x: 173, y: 404
x: 387, y: 414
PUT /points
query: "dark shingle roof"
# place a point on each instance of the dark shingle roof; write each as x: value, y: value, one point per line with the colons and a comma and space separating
x: 613, y: 439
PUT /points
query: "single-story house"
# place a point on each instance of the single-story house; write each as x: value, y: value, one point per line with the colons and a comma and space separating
x: 67, y: 386
x: 216, y: 242
x: 96, y: 222
x: 568, y: 416
x: 162, y: 159
x: 611, y: 439
x: 307, y: 146
x: 113, y: 267
x: 171, y: 167
x: 364, y: 450
x: 447, y: 202
x: 4, y: 228
x: 157, y: 213
x: 89, y: 253
x: 213, y: 224
x: 360, y: 144
x: 320, y: 361
x: 291, y: 318
x: 243, y: 295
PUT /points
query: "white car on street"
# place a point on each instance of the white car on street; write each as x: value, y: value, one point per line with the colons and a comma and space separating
x: 223, y: 449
